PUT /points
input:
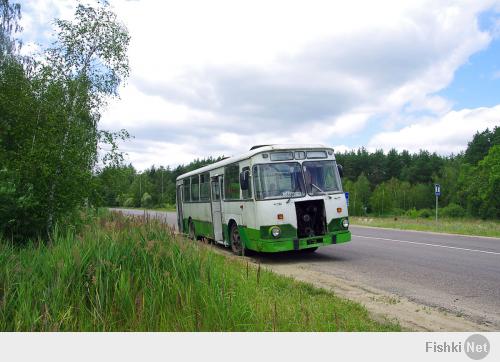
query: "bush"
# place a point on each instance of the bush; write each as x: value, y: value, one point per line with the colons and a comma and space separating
x: 412, y: 213
x: 398, y: 212
x: 129, y: 202
x: 19, y: 216
x: 146, y: 200
x: 452, y: 210
x: 425, y: 213
x: 168, y: 206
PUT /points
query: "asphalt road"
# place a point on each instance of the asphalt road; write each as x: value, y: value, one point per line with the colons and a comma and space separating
x: 456, y: 273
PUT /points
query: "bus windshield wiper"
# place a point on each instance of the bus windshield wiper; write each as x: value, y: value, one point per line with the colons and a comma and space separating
x: 323, y: 192
x: 292, y: 193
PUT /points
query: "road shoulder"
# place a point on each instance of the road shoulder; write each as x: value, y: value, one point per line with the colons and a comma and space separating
x: 411, y: 316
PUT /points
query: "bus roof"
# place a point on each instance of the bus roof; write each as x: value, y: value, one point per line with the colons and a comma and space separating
x: 252, y: 152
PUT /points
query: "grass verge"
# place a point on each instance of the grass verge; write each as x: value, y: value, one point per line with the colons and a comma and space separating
x: 452, y: 226
x: 132, y: 274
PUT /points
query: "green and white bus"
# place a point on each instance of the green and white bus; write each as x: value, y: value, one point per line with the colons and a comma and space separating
x: 272, y: 198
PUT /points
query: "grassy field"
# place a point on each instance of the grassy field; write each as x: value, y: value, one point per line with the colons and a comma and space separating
x: 122, y: 274
x: 453, y: 226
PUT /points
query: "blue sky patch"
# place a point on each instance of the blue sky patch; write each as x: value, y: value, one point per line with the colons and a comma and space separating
x: 477, y: 82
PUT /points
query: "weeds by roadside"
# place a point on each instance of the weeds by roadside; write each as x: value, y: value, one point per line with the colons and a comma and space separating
x: 135, y: 274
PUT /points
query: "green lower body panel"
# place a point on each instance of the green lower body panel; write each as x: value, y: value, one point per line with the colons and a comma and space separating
x: 257, y: 240
x: 201, y: 228
x: 286, y: 244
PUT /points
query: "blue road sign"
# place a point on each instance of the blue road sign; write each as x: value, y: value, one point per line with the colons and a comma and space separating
x: 437, y: 189
x: 347, y: 198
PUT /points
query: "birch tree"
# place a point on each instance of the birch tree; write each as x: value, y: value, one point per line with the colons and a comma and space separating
x: 49, y: 119
x: 89, y: 61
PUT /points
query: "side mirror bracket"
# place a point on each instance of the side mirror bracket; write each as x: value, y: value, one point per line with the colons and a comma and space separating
x: 244, y: 176
x: 341, y: 170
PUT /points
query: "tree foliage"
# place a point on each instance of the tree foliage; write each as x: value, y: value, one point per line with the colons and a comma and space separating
x: 10, y: 15
x: 480, y: 145
x: 400, y: 182
x: 124, y: 186
x: 395, y: 183
x: 49, y: 116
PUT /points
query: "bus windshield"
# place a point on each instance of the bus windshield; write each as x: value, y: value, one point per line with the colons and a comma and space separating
x: 278, y: 181
x: 321, y: 177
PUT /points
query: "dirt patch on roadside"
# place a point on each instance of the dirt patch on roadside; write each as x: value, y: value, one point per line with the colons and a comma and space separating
x: 383, y: 305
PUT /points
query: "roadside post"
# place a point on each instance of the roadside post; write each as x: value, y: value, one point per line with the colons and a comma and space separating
x: 347, y: 198
x: 437, y: 192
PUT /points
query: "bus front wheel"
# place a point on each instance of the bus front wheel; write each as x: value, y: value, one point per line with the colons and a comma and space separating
x: 236, y: 246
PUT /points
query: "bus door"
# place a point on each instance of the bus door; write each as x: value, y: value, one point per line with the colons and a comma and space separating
x: 216, y: 183
x: 179, y: 208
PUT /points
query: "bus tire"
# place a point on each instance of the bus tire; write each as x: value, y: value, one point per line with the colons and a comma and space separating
x: 236, y: 246
x: 192, y: 231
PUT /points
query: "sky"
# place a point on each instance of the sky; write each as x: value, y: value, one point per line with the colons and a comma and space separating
x: 211, y: 78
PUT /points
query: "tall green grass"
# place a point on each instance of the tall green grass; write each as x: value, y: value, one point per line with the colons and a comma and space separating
x: 123, y: 274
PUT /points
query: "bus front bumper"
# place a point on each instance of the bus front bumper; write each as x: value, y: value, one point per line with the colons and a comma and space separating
x: 277, y: 245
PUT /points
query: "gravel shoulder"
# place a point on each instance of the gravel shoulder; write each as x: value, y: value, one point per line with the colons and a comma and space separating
x: 382, y: 305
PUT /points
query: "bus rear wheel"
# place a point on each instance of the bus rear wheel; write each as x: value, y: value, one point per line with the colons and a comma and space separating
x: 236, y: 246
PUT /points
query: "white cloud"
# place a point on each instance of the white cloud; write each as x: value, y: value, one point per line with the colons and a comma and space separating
x: 449, y: 133
x: 37, y: 17
x: 143, y: 154
x: 136, y: 109
x: 216, y: 77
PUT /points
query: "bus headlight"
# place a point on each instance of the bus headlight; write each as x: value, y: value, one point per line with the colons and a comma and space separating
x: 275, y: 232
x: 345, y: 223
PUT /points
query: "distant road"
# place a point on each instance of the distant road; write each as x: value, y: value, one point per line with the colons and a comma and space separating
x: 453, y: 272
x: 169, y: 217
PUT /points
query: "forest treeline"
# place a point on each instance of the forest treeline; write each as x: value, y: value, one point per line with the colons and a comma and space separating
x: 124, y: 186
x: 400, y: 183
x: 393, y: 183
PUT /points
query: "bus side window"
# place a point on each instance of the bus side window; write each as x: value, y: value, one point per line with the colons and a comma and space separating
x: 204, y: 187
x: 186, y: 191
x: 255, y: 176
x: 215, y: 191
x: 247, y: 194
x: 232, y: 182
x: 195, y: 188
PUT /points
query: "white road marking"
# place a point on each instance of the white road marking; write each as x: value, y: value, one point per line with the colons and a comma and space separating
x: 427, y: 244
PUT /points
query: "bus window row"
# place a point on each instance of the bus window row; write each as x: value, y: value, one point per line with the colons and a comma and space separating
x: 197, y: 188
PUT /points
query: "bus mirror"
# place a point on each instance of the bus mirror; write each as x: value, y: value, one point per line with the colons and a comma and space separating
x: 341, y: 170
x: 244, y: 180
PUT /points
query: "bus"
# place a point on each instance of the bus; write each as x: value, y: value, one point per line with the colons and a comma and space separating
x: 273, y: 198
